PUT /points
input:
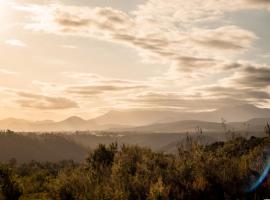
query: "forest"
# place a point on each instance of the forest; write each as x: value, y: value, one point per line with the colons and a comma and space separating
x: 221, y: 170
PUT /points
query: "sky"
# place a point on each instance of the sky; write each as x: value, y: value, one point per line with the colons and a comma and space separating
x: 60, y: 58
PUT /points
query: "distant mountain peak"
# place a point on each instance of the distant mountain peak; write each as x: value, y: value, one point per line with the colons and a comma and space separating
x: 74, y: 118
x: 140, y: 117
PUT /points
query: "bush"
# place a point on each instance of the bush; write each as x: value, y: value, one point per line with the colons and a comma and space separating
x: 218, y: 171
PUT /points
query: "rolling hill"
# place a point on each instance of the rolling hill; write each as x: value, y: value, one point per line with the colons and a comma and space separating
x: 255, y: 126
x: 48, y: 147
x: 145, y: 120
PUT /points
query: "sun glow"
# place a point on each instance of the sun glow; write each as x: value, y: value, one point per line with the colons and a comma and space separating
x: 3, y: 4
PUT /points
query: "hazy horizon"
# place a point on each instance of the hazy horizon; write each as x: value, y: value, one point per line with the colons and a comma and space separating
x: 86, y: 58
x: 169, y: 112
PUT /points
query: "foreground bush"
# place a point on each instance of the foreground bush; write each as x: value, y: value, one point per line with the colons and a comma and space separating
x: 218, y: 171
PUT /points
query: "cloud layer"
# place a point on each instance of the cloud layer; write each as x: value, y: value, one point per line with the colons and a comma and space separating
x: 44, y: 102
x: 169, y: 35
x: 201, y: 49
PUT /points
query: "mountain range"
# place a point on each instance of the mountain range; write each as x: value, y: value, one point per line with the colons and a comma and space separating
x: 239, y: 118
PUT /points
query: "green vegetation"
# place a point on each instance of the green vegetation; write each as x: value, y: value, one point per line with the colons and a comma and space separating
x: 221, y: 170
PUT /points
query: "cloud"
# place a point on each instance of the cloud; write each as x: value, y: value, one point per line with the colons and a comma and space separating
x: 89, y: 84
x: 72, y: 22
x: 190, y: 37
x: 67, y: 46
x: 96, y: 89
x: 180, y: 101
x: 251, y: 77
x: 194, y: 11
x: 15, y: 43
x: 44, y: 102
x: 259, y: 2
x: 84, y: 77
x: 248, y: 83
x: 188, y: 64
x: 6, y: 72
x: 200, y: 98
x: 225, y: 38
x: 161, y: 31
x: 246, y: 94
x: 87, y: 87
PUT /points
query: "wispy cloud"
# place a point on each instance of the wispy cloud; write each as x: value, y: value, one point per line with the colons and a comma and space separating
x: 15, y: 43
x: 6, y: 72
x: 162, y: 32
x: 67, y: 46
x: 44, y: 102
x: 92, y: 85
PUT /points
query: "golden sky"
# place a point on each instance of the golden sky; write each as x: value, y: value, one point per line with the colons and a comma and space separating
x: 85, y: 58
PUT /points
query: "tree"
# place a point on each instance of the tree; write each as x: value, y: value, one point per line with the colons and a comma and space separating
x: 267, y: 129
x: 102, y: 157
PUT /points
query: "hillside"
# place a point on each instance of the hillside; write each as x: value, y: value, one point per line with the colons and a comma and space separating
x: 254, y: 126
x: 25, y: 148
x: 55, y: 147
